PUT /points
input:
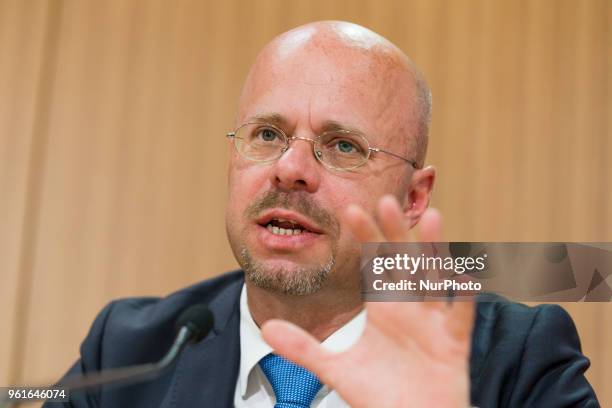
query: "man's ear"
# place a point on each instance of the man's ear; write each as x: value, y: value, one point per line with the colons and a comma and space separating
x: 419, y: 194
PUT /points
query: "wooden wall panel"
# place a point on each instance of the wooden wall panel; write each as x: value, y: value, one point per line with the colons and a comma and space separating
x: 128, y: 198
x: 134, y: 194
x: 22, y: 41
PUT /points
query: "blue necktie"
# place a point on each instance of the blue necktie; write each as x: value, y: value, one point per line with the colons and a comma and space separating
x: 294, y: 386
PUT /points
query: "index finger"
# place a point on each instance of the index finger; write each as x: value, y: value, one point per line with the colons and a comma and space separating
x: 430, y: 226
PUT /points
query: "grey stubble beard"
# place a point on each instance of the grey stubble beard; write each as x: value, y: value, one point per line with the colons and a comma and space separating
x: 299, y: 282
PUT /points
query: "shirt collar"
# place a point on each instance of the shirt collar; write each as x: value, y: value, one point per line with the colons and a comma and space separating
x: 253, y: 347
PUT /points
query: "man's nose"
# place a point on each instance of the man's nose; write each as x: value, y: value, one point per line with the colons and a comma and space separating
x: 297, y: 168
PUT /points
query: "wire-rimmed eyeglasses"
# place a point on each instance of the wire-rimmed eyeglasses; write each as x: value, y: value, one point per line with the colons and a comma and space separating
x: 336, y: 149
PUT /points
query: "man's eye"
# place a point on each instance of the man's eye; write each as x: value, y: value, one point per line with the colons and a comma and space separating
x: 345, y: 146
x: 267, y: 135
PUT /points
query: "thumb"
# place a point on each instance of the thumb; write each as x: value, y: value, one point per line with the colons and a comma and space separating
x: 295, y: 344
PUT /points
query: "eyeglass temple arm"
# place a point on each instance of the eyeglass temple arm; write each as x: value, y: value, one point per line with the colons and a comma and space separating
x: 412, y: 162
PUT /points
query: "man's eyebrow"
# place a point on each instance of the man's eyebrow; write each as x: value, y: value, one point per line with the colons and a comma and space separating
x: 279, y: 120
x: 271, y: 118
x: 332, y: 125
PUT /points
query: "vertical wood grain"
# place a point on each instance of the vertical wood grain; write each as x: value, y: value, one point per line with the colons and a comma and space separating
x: 23, y: 79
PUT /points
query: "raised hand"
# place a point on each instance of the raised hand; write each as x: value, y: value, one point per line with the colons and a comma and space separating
x: 412, y: 354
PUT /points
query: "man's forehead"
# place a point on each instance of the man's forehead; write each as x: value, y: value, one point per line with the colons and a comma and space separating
x: 354, y: 94
x: 289, y: 104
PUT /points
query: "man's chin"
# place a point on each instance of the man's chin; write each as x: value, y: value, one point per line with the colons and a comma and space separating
x: 286, y: 266
x: 285, y: 276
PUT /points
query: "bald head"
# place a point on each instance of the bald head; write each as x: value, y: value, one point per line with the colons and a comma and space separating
x: 361, y: 65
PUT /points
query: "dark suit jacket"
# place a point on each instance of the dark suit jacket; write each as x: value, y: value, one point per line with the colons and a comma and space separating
x: 521, y: 356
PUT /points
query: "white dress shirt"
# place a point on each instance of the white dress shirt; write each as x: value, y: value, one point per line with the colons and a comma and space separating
x: 253, y: 388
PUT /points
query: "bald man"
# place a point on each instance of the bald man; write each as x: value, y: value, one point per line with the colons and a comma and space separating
x: 328, y: 152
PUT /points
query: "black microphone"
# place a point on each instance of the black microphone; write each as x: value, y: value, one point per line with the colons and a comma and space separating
x: 192, y: 325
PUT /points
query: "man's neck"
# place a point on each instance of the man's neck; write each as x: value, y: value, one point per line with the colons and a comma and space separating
x: 320, y: 314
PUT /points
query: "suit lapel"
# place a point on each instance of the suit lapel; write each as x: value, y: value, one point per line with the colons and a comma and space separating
x: 207, y: 372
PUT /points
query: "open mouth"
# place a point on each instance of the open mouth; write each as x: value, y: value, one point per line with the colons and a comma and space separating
x: 284, y: 231
x: 287, y: 223
x: 281, y: 226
